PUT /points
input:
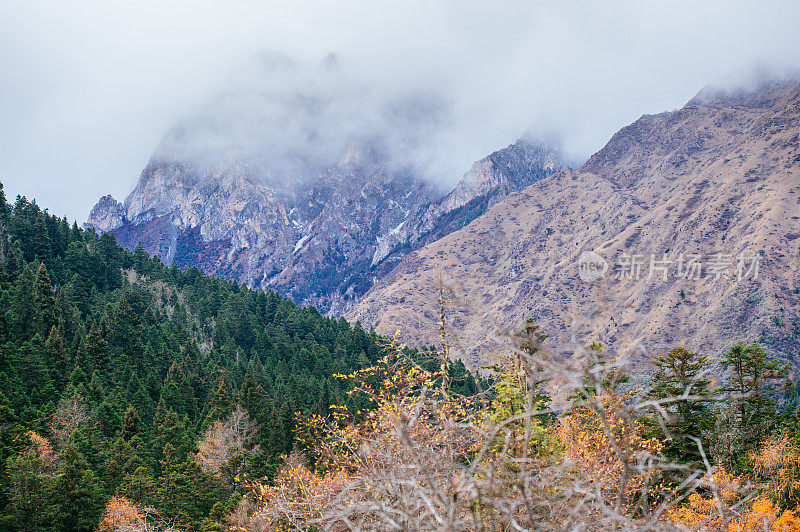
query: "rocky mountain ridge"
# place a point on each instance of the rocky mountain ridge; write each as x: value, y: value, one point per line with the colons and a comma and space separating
x: 322, y: 242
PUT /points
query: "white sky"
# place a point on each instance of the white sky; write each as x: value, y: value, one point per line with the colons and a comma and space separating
x: 87, y: 89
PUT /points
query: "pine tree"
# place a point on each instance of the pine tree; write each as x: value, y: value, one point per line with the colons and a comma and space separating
x: 57, y: 357
x: 680, y: 373
x: 222, y: 402
x: 139, y: 486
x: 749, y: 413
x: 130, y: 423
x: 45, y: 300
x: 124, y: 459
x: 11, y: 440
x: 96, y: 345
x: 752, y: 373
x: 108, y: 418
x: 42, y: 243
x: 76, y: 491
x: 169, y: 430
x: 187, y: 493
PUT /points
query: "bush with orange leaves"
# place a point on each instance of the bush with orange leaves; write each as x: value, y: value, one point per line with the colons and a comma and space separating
x: 121, y: 515
x: 424, y: 458
x: 778, y: 462
x: 730, y: 503
x: 397, y: 466
x: 604, y: 437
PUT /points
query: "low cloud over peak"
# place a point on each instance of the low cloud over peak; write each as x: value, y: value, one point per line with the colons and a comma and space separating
x: 90, y: 88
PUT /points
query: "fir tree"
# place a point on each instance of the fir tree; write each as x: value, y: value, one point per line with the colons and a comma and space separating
x: 45, y: 300
x: 680, y: 374
x: 76, y: 491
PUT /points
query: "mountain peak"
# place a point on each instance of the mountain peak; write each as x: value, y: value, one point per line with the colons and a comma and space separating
x: 107, y: 214
x: 753, y: 89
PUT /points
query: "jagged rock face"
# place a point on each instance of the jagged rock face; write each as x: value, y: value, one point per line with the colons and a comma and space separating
x: 721, y: 175
x: 341, y: 218
x: 324, y: 243
x: 501, y: 173
x: 108, y: 214
x: 488, y: 181
x: 222, y: 221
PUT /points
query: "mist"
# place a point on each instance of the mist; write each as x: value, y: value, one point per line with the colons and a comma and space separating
x: 286, y: 122
x: 89, y: 89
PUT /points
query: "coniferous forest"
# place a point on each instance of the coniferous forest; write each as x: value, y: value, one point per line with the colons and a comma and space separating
x: 136, y: 396
x: 120, y: 375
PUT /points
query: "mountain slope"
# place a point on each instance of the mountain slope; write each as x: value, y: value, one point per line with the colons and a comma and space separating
x: 323, y: 240
x: 717, y: 176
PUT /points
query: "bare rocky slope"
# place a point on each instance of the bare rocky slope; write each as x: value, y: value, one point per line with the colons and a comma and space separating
x: 719, y: 178
x: 324, y: 240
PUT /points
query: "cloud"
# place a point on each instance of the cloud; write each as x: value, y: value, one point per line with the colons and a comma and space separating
x: 288, y: 121
x: 89, y: 88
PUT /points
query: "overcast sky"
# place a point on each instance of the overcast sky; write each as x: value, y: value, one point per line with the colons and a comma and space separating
x: 88, y: 89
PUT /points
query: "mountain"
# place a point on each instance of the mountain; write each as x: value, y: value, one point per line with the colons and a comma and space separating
x: 719, y: 176
x: 321, y: 239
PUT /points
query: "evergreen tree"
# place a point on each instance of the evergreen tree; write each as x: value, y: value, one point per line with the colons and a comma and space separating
x: 749, y: 412
x: 130, y: 423
x: 170, y: 431
x: 680, y: 374
x: 57, y: 357
x: 222, y: 402
x: 752, y: 374
x: 76, y: 491
x: 187, y: 493
x: 45, y: 300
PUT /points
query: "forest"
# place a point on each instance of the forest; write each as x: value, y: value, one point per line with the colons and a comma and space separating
x: 121, y: 376
x: 140, y: 397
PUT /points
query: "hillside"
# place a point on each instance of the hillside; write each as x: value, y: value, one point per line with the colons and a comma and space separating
x: 719, y: 175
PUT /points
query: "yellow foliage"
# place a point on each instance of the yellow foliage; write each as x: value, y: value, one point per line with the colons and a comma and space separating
x: 43, y: 450
x: 777, y: 461
x: 603, y: 440
x: 763, y: 516
x: 725, y: 512
x: 120, y: 514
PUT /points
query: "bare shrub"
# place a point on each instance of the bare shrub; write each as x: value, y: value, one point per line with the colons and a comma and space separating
x: 227, y: 444
x: 71, y: 414
x: 424, y: 458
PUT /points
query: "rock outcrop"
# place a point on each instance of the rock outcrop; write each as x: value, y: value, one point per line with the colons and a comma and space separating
x: 108, y: 214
